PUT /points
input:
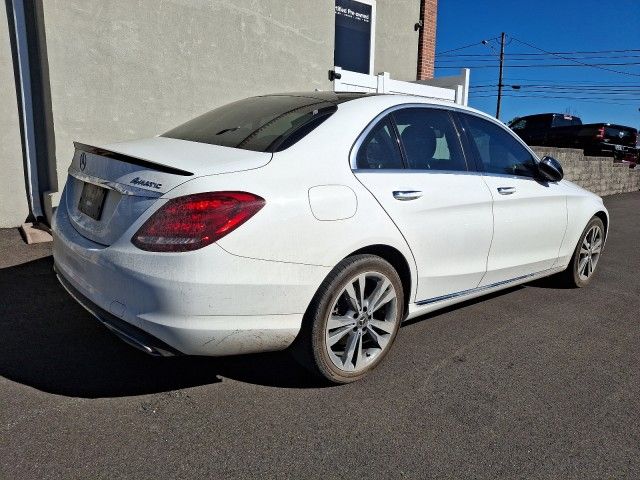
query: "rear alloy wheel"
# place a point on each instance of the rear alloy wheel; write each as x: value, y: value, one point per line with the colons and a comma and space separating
x: 353, y: 319
x: 586, y: 255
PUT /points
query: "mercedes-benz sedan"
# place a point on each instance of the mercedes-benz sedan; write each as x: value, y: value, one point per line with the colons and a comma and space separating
x: 316, y: 221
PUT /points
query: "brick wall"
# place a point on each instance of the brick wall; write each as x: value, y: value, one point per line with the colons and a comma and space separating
x: 427, y: 39
x: 597, y: 174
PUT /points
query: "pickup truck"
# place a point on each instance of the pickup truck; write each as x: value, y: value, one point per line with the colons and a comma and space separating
x: 568, y: 131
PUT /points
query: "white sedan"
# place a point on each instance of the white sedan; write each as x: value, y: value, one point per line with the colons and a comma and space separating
x: 317, y: 221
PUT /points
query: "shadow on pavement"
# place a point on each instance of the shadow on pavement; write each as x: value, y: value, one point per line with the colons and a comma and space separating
x: 552, y: 282
x: 49, y: 342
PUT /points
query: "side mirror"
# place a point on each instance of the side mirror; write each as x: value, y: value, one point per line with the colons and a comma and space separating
x: 550, y: 169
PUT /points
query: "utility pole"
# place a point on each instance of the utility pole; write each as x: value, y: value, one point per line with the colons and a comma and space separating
x: 500, y: 85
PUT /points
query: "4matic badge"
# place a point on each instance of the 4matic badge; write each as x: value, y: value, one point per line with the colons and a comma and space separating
x: 145, y: 183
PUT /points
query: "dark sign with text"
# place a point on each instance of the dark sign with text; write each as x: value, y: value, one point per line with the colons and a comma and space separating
x: 352, y: 49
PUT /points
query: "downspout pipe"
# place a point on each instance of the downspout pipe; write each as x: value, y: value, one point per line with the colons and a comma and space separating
x: 31, y: 73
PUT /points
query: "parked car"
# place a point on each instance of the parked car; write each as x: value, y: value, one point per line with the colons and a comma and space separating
x: 568, y: 131
x: 316, y: 221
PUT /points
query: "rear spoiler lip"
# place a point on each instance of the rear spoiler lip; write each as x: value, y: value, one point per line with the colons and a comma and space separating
x: 129, y: 159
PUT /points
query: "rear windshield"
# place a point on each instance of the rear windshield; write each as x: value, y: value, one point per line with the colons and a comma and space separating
x: 263, y: 124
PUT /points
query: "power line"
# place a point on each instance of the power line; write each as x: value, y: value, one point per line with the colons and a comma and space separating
x: 529, y: 88
x: 598, y: 91
x: 545, y: 95
x: 566, y: 87
x: 577, y: 99
x: 545, y: 65
x: 511, y: 57
x: 634, y: 92
x: 600, y: 54
x: 623, y: 96
x: 600, y: 67
x: 561, y: 83
x: 569, y: 82
x: 620, y: 96
x: 465, y: 46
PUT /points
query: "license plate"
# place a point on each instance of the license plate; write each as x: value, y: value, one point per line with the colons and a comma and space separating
x: 619, y: 147
x: 92, y: 200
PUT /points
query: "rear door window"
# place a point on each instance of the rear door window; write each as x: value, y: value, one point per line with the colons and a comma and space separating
x: 264, y: 124
x: 380, y: 149
x: 429, y: 139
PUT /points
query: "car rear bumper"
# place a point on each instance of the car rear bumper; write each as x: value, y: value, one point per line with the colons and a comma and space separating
x: 125, y: 331
x: 609, y: 149
x: 207, y: 302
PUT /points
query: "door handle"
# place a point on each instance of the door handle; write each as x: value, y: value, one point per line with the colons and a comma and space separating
x: 405, y: 195
x: 506, y: 190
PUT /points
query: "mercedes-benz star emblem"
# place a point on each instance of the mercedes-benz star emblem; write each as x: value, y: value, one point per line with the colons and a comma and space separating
x: 83, y: 161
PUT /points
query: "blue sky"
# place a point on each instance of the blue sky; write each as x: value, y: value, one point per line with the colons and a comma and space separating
x: 558, y: 26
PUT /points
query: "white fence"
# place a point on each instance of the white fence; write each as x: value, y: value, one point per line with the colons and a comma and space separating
x: 453, y: 89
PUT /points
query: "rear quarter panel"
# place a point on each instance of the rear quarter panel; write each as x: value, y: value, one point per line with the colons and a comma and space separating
x: 286, y: 229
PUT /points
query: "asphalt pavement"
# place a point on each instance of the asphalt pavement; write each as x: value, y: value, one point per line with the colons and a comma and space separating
x: 534, y: 382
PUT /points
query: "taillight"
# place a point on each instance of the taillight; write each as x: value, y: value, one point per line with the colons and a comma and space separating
x: 195, y: 221
x: 600, y: 133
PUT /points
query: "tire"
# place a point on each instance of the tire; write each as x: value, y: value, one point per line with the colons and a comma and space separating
x: 362, y: 338
x: 574, y: 276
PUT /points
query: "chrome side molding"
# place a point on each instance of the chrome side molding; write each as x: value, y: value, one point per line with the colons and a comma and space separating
x: 481, y: 289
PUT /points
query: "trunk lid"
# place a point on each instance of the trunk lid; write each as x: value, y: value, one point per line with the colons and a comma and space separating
x: 108, y: 188
x: 610, y: 133
x: 620, y: 135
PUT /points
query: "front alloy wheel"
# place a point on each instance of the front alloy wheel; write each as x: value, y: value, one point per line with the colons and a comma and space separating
x: 590, y: 252
x: 352, y: 320
x: 585, y: 257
